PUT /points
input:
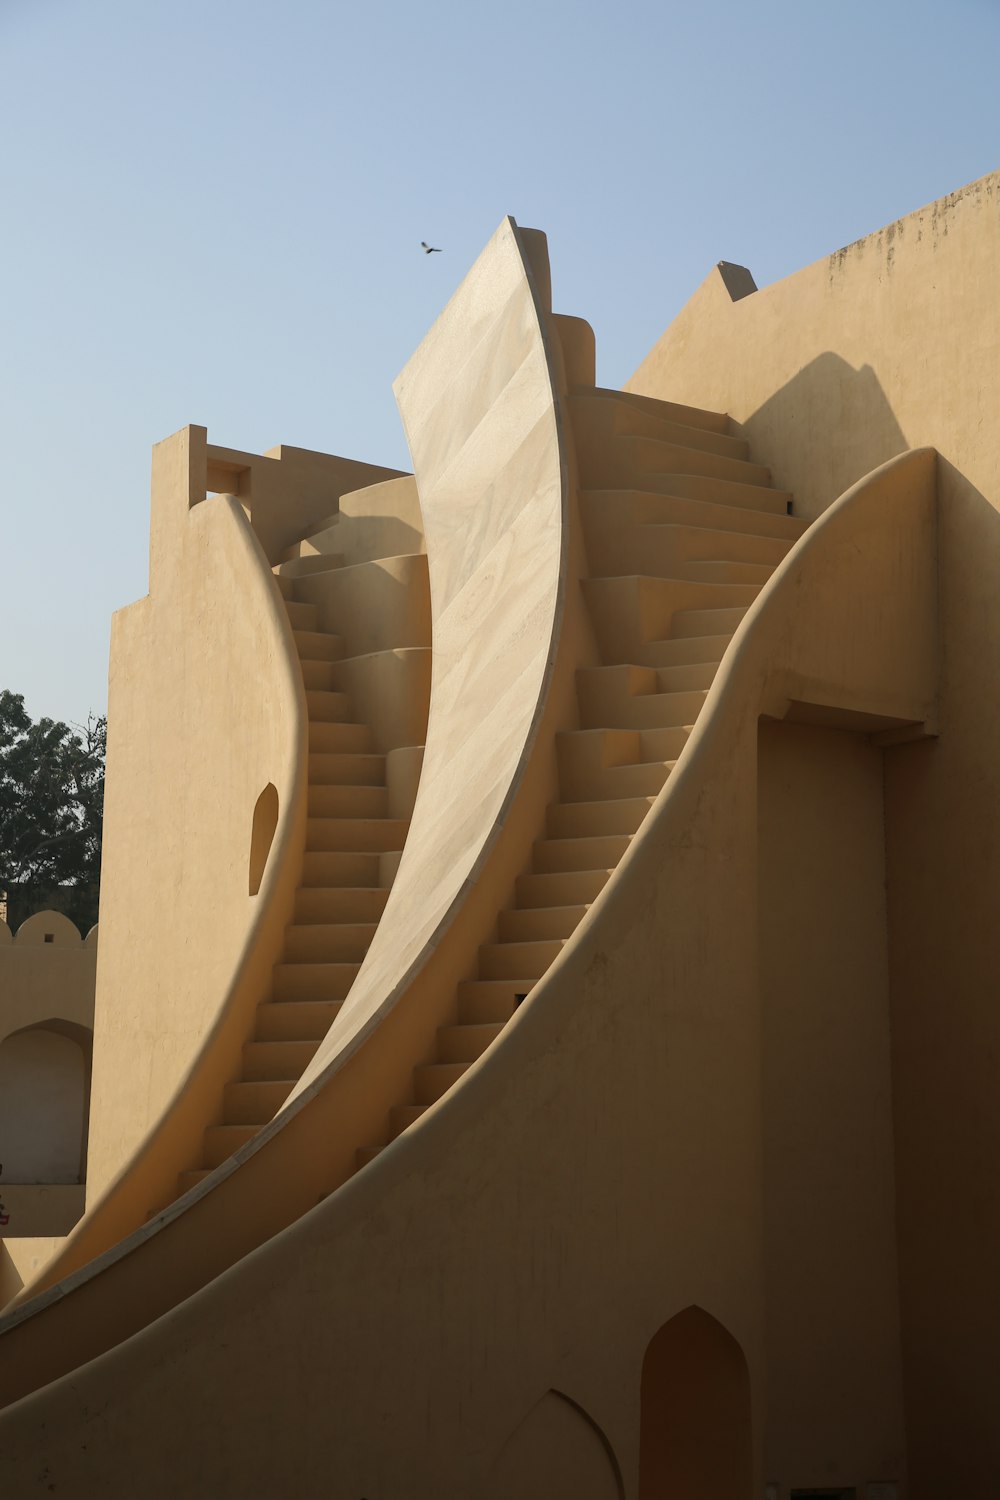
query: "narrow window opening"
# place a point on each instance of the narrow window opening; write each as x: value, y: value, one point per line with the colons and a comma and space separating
x: 265, y: 821
x: 50, y: 937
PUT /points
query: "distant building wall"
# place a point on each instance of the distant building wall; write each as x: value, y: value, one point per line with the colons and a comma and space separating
x: 47, y: 976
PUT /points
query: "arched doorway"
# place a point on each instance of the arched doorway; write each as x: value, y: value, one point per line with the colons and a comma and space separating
x: 44, y: 1089
x: 695, y: 1434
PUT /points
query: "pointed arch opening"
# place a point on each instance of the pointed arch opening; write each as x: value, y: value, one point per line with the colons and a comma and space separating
x: 265, y: 822
x: 695, y: 1437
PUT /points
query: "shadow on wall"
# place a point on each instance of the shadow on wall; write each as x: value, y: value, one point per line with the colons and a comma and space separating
x: 824, y: 430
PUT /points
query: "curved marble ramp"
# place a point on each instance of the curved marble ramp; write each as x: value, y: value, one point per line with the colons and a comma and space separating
x: 479, y: 404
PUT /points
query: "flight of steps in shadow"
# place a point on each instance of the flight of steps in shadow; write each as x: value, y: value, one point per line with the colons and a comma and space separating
x: 682, y: 531
x: 353, y: 847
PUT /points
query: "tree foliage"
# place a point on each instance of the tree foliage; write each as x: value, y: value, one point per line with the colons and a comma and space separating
x: 51, y: 810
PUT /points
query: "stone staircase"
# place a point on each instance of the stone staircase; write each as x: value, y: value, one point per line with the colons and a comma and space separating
x: 353, y: 842
x: 685, y: 530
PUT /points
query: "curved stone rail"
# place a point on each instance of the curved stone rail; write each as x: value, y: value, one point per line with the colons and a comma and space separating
x: 479, y: 407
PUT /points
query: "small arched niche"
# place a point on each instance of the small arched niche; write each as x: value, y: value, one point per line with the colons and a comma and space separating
x: 265, y: 821
x: 556, y: 1450
x: 695, y: 1436
x: 44, y: 1102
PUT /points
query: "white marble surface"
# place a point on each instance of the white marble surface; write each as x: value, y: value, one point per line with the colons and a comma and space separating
x: 478, y: 407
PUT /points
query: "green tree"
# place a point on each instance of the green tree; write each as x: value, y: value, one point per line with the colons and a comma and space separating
x: 51, y: 810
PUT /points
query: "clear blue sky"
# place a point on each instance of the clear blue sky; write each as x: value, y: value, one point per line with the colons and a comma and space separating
x: 212, y: 212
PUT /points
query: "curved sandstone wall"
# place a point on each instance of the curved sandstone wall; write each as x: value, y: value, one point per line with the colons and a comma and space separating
x: 510, y: 1244
x: 206, y: 712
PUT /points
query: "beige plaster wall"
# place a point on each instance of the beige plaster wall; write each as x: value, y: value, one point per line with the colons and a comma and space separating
x: 595, y: 1173
x: 888, y: 344
x: 833, y: 1352
x: 204, y: 713
x: 891, y: 343
x: 47, y: 979
x: 42, y: 980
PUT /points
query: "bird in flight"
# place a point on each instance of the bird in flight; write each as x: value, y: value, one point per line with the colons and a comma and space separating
x: 430, y: 249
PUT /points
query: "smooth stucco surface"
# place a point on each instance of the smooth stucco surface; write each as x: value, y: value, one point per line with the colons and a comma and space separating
x: 720, y: 1140
x: 486, y: 1162
x: 890, y: 343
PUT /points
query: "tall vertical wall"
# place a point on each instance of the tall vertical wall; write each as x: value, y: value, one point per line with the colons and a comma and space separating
x: 203, y: 715
x: 892, y: 343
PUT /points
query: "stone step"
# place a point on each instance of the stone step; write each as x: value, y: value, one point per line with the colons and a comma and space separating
x: 338, y: 867
x: 538, y: 923
x: 328, y: 708
x: 269, y: 1060
x: 554, y: 856
x: 685, y: 651
x: 318, y: 645
x: 255, y: 1103
x: 318, y: 676
x: 611, y: 415
x: 561, y: 887
x: 346, y: 769
x: 628, y: 509
x: 628, y: 462
x: 463, y: 1044
x: 222, y: 1140
x: 339, y: 904
x: 336, y: 800
x: 526, y: 961
x: 302, y: 616
x: 482, y: 1001
x: 708, y: 571
x: 575, y: 820
x: 331, y: 738
x: 701, y: 622
x: 403, y: 1116
x: 690, y: 416
x: 361, y: 835
x: 432, y: 1080
x: 328, y: 942
x: 295, y: 1020
x: 316, y: 981
x: 739, y: 492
